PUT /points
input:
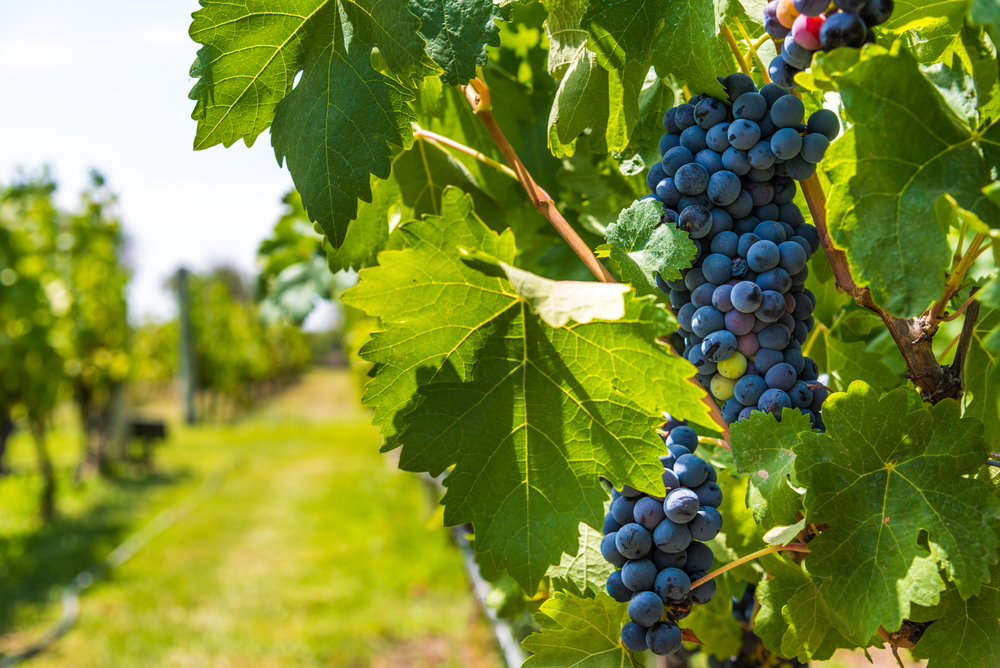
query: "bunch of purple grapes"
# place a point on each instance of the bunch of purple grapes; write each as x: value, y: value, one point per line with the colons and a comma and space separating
x: 727, y: 177
x: 657, y: 542
x: 815, y: 25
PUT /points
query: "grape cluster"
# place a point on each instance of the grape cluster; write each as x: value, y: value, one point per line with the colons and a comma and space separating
x: 818, y: 24
x: 743, y: 307
x: 657, y: 542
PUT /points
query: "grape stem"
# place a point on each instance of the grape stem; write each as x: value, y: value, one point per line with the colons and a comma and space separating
x: 478, y: 95
x: 435, y: 138
x: 753, y: 50
x: 913, y: 336
x: 954, y: 281
x: 728, y: 34
x: 791, y: 547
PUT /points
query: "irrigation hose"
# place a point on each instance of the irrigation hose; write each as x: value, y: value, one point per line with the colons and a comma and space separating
x: 83, y: 581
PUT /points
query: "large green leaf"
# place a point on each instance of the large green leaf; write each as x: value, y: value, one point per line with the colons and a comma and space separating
x: 848, y: 362
x: 424, y: 172
x: 793, y: 619
x: 457, y: 34
x: 987, y: 13
x: 468, y: 374
x: 622, y: 32
x: 681, y: 37
x: 642, y: 245
x: 335, y: 128
x: 762, y: 448
x: 592, y: 98
x: 931, y: 28
x: 906, y: 148
x: 586, y: 572
x: 690, y: 47
x: 643, y: 151
x: 566, y: 36
x: 967, y: 632
x: 886, y: 479
x: 579, y: 632
x: 450, y: 332
x: 251, y: 54
x: 981, y: 380
x: 367, y: 235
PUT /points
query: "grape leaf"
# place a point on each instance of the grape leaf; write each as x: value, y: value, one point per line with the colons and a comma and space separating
x: 368, y: 234
x: 887, y: 170
x: 690, y: 47
x: 424, y: 172
x: 783, y: 579
x: 643, y: 151
x: 987, y: 13
x: 457, y: 34
x: 810, y: 634
x: 465, y: 375
x: 981, y: 381
x: 584, y: 574
x: 597, y: 191
x: 967, y: 632
x: 559, y: 302
x: 762, y: 448
x: 393, y: 385
x: 393, y: 28
x: 625, y: 32
x: 591, y: 97
x: 850, y: 361
x: 882, y: 476
x: 742, y: 533
x: 621, y: 32
x: 566, y: 36
x: 952, y: 215
x: 334, y: 128
x: 860, y: 321
x: 793, y: 619
x: 930, y: 28
x: 579, y: 632
x: 784, y: 534
x: 642, y: 245
x: 250, y: 56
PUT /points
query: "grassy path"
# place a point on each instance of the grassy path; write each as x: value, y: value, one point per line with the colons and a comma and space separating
x: 314, y: 552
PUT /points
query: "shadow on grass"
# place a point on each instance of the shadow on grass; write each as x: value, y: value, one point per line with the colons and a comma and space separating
x: 36, y: 566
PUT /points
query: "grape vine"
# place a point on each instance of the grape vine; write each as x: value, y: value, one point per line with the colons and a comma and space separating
x: 839, y: 427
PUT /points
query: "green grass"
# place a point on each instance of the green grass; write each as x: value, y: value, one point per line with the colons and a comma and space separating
x: 315, y: 551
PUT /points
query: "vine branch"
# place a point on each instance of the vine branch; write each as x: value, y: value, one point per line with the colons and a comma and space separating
x: 478, y: 95
x: 913, y: 336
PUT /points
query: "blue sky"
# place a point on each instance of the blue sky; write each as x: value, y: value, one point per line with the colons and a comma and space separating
x: 104, y: 84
